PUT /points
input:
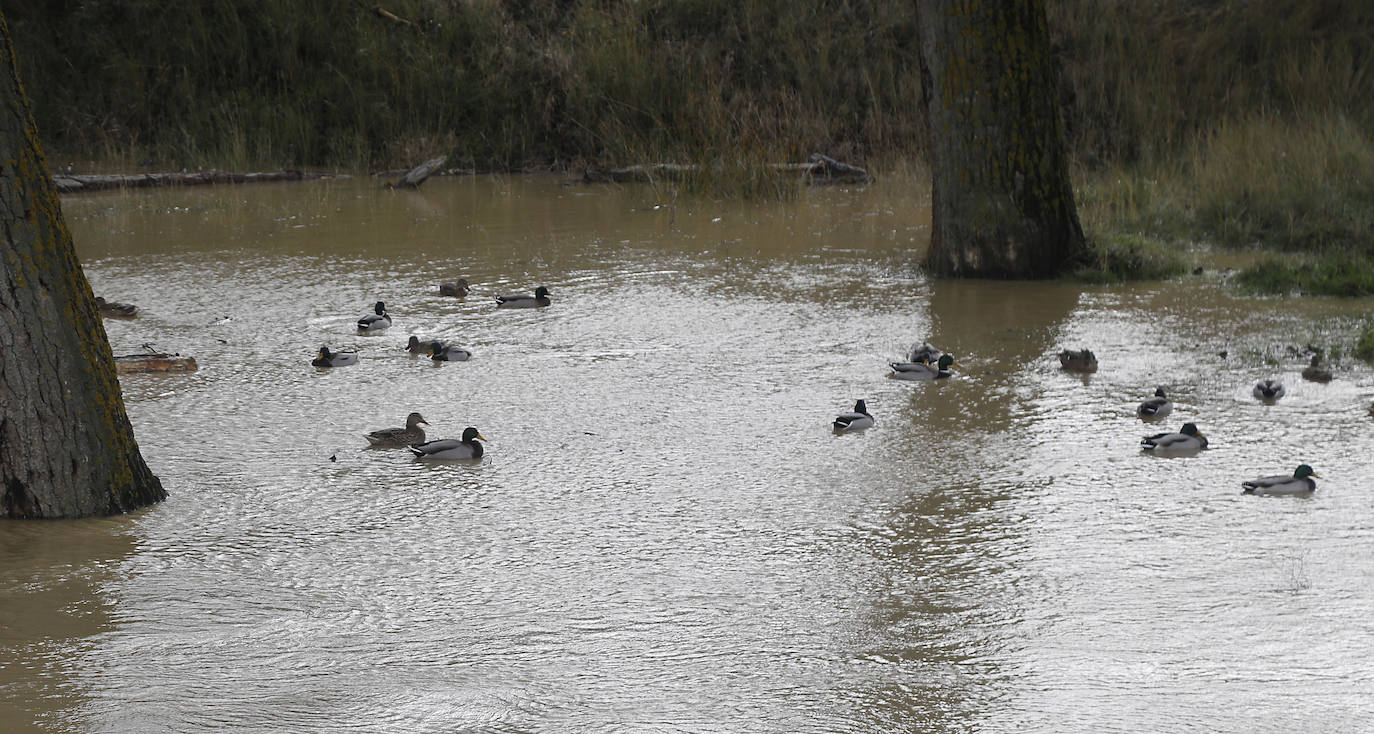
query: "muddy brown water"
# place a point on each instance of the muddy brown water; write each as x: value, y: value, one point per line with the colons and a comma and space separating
x: 665, y: 535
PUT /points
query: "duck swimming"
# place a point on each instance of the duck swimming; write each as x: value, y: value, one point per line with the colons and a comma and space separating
x: 327, y: 358
x: 447, y: 448
x: 416, y: 346
x: 376, y: 321
x: 440, y: 352
x: 1316, y: 371
x: 923, y: 352
x: 457, y: 290
x: 521, y: 300
x: 1082, y: 360
x: 922, y: 370
x: 398, y: 437
x: 1300, y: 483
x: 1188, y: 438
x: 1269, y: 390
x: 853, y: 421
x: 1155, y: 407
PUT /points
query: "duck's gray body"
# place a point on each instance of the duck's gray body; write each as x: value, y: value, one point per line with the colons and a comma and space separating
x: 923, y: 352
x: 922, y: 370
x: 449, y: 448
x: 524, y: 300
x: 1299, y: 482
x: 858, y: 419
x: 1155, y: 407
x: 1186, y: 439
x: 1269, y: 390
x: 326, y: 358
x: 448, y: 353
x: 376, y: 321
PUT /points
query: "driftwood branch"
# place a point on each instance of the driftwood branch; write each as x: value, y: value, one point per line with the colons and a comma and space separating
x: 418, y: 174
x: 818, y: 169
x: 70, y: 184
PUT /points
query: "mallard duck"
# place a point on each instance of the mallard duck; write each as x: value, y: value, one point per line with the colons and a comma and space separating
x: 457, y: 290
x: 922, y: 370
x: 923, y: 352
x: 327, y: 358
x: 1082, y: 360
x: 416, y: 346
x: 116, y: 310
x: 1188, y: 438
x: 376, y: 321
x: 1317, y: 372
x: 521, y: 300
x: 447, y: 448
x: 398, y: 437
x: 1155, y: 407
x: 1300, y: 483
x: 860, y: 418
x: 1269, y: 390
x: 440, y: 352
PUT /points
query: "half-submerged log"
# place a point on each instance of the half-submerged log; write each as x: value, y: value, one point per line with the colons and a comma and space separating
x: 154, y: 362
x: 818, y: 169
x: 71, y: 184
x: 418, y: 174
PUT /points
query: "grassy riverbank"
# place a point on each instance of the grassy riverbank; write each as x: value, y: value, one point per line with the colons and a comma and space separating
x: 1238, y: 123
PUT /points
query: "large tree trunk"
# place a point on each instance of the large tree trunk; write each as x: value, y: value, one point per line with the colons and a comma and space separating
x: 66, y: 446
x: 1002, y: 202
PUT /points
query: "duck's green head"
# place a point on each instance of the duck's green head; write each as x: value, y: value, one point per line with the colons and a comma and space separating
x: 470, y: 433
x: 945, y: 361
x: 860, y: 407
x: 1189, y: 429
x: 1159, y: 392
x: 540, y: 292
x: 324, y: 353
x: 435, y: 347
x: 380, y: 308
x: 1304, y: 471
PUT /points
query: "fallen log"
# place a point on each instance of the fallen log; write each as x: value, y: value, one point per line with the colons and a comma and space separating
x: 818, y: 169
x: 154, y: 362
x: 417, y: 175
x: 73, y: 183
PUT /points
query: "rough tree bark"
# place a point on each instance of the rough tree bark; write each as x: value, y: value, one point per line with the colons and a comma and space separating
x: 1002, y: 203
x: 66, y: 446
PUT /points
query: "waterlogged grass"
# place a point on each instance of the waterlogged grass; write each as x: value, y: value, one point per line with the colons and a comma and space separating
x: 1302, y: 188
x: 1118, y: 258
x: 1364, y: 347
x: 1330, y: 274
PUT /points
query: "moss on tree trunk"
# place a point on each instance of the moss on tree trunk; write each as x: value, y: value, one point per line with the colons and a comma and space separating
x: 66, y: 446
x: 1002, y: 202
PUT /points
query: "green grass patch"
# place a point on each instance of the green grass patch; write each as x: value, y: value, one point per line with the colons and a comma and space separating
x: 1119, y: 258
x: 1364, y: 345
x: 1335, y: 273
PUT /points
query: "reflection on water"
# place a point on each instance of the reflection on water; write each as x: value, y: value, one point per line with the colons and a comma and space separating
x: 665, y: 535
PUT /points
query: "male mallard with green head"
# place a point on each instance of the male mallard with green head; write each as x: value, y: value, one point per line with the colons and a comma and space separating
x: 447, y: 448
x: 1187, y: 439
x: 922, y: 370
x: 522, y: 300
x: 1300, y: 483
x: 378, y: 320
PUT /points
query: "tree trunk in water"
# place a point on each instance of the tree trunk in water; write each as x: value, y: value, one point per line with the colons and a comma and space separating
x: 1002, y: 204
x: 66, y: 446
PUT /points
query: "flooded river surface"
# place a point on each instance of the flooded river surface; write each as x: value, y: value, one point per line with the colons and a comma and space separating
x: 665, y: 535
